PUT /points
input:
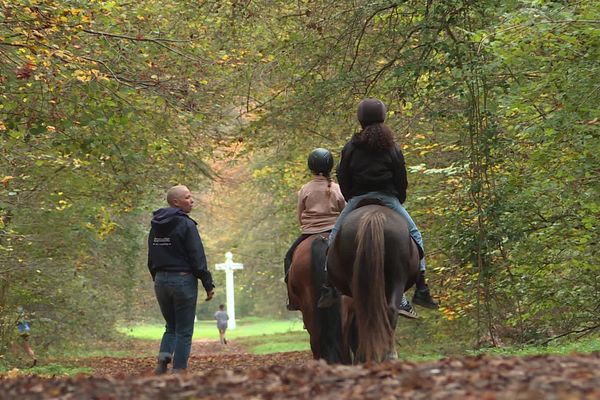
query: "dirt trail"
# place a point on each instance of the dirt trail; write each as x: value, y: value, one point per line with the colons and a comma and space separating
x: 205, y: 356
x: 227, y: 372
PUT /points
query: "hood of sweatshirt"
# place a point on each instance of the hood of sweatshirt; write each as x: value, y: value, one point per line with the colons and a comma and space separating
x: 163, y: 216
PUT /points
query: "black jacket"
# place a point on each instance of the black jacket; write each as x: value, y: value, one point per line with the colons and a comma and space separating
x: 363, y: 170
x: 174, y: 245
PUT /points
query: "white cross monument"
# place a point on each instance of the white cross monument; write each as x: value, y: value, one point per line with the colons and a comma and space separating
x: 229, y: 266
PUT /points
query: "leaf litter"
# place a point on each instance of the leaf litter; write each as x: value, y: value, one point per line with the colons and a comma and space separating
x: 230, y: 373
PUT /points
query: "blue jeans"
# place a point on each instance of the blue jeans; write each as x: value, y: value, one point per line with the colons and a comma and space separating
x: 389, y: 201
x: 177, y: 295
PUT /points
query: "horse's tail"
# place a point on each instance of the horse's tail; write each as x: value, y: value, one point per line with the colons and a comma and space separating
x: 368, y: 288
x: 328, y: 320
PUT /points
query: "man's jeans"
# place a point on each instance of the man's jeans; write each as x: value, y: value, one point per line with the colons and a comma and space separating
x: 388, y: 201
x: 177, y: 295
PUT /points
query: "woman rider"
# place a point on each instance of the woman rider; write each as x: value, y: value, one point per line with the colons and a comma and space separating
x: 372, y: 166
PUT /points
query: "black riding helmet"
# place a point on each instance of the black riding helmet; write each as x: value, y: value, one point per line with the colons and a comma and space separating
x: 371, y: 111
x: 320, y: 161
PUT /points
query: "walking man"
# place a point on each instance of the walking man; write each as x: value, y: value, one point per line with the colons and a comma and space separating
x: 176, y: 261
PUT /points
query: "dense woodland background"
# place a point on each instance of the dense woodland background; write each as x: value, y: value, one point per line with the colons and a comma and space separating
x: 106, y: 104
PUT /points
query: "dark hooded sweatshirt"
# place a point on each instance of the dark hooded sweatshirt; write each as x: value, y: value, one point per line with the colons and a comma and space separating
x: 363, y: 170
x: 174, y: 245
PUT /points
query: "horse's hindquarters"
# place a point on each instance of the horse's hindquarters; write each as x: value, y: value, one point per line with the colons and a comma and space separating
x: 307, y: 275
x: 372, y: 261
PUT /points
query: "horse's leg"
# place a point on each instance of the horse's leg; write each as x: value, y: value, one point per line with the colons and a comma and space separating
x: 393, y: 316
x: 353, y: 340
x: 394, y: 300
x: 301, y: 295
x: 310, y: 323
x: 347, y: 315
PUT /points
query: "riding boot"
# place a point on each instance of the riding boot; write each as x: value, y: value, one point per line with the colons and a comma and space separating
x: 422, y: 297
x: 287, y: 263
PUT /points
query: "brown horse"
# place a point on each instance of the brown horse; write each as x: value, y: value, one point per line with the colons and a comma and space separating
x: 373, y: 260
x: 306, y: 276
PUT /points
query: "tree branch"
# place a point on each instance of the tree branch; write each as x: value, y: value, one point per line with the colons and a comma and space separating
x: 364, y: 28
x: 582, y: 330
x: 135, y: 38
x: 158, y: 41
x: 528, y: 24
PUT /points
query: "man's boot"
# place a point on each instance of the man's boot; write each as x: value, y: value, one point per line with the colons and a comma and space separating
x: 422, y: 297
x: 161, y: 365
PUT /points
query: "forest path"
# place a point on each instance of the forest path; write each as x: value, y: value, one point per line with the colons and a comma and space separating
x: 206, y: 355
x: 227, y: 372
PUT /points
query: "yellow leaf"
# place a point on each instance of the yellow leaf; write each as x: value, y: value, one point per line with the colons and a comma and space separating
x: 5, y: 181
x: 13, y: 373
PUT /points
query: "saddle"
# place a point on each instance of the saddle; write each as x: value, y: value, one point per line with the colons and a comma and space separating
x: 377, y: 202
x: 369, y: 202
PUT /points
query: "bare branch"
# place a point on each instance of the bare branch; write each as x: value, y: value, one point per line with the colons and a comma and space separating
x: 158, y: 41
x: 364, y: 28
x: 135, y: 38
x: 582, y: 330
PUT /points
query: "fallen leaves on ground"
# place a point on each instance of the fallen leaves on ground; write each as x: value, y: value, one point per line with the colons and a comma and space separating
x: 229, y: 373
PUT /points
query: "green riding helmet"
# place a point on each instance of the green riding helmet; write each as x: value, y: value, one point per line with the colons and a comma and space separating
x: 320, y: 161
x: 371, y: 111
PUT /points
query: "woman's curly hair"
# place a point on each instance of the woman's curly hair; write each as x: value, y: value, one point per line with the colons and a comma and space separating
x: 377, y: 136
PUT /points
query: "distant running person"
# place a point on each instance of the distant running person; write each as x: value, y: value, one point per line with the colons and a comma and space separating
x: 222, y: 318
x: 24, y: 327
